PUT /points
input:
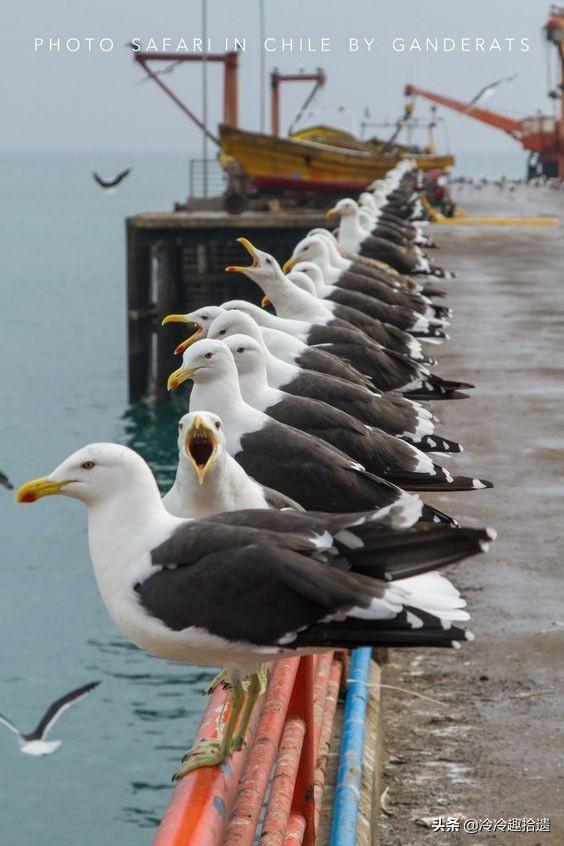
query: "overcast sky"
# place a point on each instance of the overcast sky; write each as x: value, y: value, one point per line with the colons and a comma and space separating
x: 93, y: 101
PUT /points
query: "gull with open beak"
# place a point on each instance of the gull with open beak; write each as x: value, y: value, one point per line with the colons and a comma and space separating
x: 209, y: 480
x: 292, y: 302
x: 201, y: 319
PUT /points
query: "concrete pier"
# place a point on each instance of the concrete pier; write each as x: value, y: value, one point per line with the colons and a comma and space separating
x: 493, y: 747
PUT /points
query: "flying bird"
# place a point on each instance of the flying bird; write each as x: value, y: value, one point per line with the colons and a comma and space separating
x: 167, y: 69
x: 107, y: 184
x: 5, y: 482
x: 488, y: 90
x: 34, y: 743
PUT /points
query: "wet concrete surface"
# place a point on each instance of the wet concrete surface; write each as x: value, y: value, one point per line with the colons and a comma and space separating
x: 492, y: 745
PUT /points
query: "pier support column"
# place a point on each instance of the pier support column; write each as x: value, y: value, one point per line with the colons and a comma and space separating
x: 139, y: 309
x: 169, y: 276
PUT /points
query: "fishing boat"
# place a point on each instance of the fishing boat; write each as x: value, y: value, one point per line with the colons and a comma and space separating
x: 302, y: 164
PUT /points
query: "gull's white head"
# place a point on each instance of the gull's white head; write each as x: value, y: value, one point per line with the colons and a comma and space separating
x: 204, y: 361
x: 264, y: 269
x: 258, y: 314
x: 91, y: 474
x: 313, y: 248
x: 347, y: 207
x: 234, y: 322
x: 312, y: 271
x: 201, y: 319
x: 201, y: 442
x: 248, y: 355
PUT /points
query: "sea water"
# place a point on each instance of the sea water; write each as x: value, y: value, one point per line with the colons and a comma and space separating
x: 63, y: 384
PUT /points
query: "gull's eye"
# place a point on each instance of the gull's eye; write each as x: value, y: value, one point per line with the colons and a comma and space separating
x: 223, y: 331
x: 180, y: 427
x: 87, y: 465
x: 208, y: 355
x: 204, y: 317
x: 217, y: 424
x: 269, y: 261
x: 240, y: 349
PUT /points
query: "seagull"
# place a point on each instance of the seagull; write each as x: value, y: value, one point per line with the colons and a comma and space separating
x: 341, y: 259
x: 35, y: 743
x: 317, y: 249
x: 315, y: 474
x: 109, y: 184
x: 326, y: 362
x: 289, y: 301
x: 355, y: 239
x: 388, y: 370
x: 420, y: 321
x: 380, y: 453
x: 295, y: 370
x: 5, y: 482
x: 357, y: 266
x: 209, y: 480
x: 236, y: 591
x: 488, y: 90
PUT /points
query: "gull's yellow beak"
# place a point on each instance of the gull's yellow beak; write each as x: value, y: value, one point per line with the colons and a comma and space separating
x: 176, y: 318
x: 265, y: 302
x: 232, y: 268
x: 189, y: 341
x: 331, y: 213
x: 183, y: 318
x: 200, y: 447
x: 178, y: 377
x: 37, y: 488
x: 289, y: 264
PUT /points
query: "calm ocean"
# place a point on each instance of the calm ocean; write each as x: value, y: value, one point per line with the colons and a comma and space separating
x: 63, y: 385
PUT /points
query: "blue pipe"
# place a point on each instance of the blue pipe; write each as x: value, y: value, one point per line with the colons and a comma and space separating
x: 346, y: 801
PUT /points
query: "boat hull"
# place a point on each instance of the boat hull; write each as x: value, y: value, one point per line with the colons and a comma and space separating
x: 281, y: 164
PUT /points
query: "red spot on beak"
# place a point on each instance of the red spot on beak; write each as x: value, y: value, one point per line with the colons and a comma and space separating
x: 29, y: 497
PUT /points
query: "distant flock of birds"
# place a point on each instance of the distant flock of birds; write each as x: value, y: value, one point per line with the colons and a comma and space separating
x: 294, y: 524
x: 504, y: 182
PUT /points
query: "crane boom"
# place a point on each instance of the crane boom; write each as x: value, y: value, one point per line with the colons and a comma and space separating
x: 510, y: 125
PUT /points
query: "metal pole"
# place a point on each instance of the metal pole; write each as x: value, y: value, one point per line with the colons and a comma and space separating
x: 205, y: 96
x: 262, y: 70
x: 346, y: 799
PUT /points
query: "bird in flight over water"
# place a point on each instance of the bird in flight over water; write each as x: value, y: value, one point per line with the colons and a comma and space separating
x: 35, y: 743
x: 108, y: 184
x: 488, y: 90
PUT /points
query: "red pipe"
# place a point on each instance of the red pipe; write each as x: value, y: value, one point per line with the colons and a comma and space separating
x: 202, y: 800
x: 295, y: 831
x: 282, y: 789
x: 324, y: 743
x: 221, y: 806
x: 302, y: 705
x: 254, y: 782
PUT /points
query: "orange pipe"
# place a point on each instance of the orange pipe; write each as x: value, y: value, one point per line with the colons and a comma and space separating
x: 202, y: 800
x: 322, y: 671
x: 295, y: 831
x: 254, y: 781
x: 324, y: 743
x: 282, y: 789
x: 302, y: 705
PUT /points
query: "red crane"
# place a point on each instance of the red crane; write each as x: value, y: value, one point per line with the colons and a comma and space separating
x: 542, y: 135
